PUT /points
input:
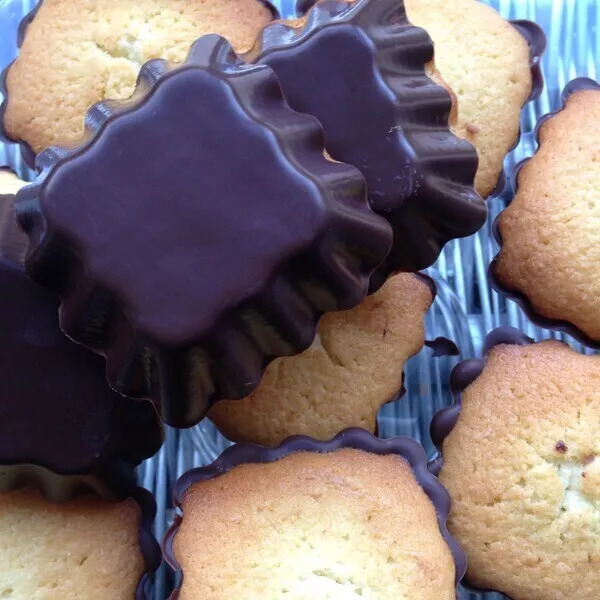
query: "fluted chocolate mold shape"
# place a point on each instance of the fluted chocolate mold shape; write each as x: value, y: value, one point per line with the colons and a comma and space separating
x: 359, y: 439
x: 61, y: 427
x: 360, y: 69
x: 533, y: 34
x: 26, y: 151
x: 199, y: 232
x: 576, y: 85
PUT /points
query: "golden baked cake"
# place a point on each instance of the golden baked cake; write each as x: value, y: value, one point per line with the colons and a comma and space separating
x: 522, y: 466
x: 354, y: 367
x: 75, y: 54
x: 332, y: 526
x: 83, y: 548
x: 486, y: 62
x: 551, y: 231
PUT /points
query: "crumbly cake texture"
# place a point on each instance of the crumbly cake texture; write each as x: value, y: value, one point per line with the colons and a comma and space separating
x: 486, y: 62
x: 9, y: 182
x: 76, y: 54
x: 522, y: 466
x: 84, y: 548
x: 351, y: 370
x: 333, y: 526
x: 551, y: 230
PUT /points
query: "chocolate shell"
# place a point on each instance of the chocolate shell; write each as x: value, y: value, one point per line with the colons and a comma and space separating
x: 533, y: 34
x: 521, y: 299
x: 360, y: 68
x: 27, y: 152
x: 61, y: 427
x: 149, y: 547
x: 191, y: 269
x: 356, y: 438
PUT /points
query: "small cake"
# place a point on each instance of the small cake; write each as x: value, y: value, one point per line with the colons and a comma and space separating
x: 61, y: 426
x: 550, y: 234
x: 192, y: 269
x: 351, y: 370
x: 487, y: 62
x: 521, y: 461
x: 368, y: 69
x: 84, y: 548
x: 354, y: 517
x: 74, y: 55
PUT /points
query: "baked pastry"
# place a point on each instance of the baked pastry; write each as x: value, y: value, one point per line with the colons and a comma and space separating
x: 354, y: 366
x: 550, y: 234
x: 190, y: 303
x: 487, y: 62
x: 352, y: 517
x: 521, y: 461
x: 84, y: 548
x: 61, y: 427
x: 370, y: 88
x: 74, y: 55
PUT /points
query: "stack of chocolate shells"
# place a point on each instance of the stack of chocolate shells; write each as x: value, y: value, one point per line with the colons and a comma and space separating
x: 233, y: 230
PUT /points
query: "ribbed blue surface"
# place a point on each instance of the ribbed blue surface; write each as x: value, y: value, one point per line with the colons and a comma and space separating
x: 466, y: 307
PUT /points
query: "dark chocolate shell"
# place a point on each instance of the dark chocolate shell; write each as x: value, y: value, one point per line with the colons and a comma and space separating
x: 533, y: 34
x: 520, y: 298
x: 356, y: 438
x: 26, y: 151
x: 360, y: 68
x: 199, y: 232
x: 61, y: 427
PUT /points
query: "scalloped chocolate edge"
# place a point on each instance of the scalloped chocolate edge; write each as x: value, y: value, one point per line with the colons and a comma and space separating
x: 536, y: 40
x: 356, y: 438
x: 576, y: 85
x: 448, y: 169
x: 111, y: 478
x: 462, y: 376
x: 149, y: 546
x: 122, y: 352
x: 27, y: 153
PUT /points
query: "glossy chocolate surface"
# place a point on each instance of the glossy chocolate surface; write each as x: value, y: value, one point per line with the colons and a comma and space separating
x: 191, y: 268
x: 360, y: 69
x: 61, y: 427
x: 356, y: 438
x: 520, y: 298
x: 536, y: 39
x: 26, y: 151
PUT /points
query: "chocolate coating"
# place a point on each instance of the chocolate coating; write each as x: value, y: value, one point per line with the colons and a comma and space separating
x: 26, y: 151
x: 582, y: 83
x: 356, y: 438
x: 61, y: 427
x: 536, y: 40
x: 191, y: 269
x: 462, y: 376
x: 360, y: 69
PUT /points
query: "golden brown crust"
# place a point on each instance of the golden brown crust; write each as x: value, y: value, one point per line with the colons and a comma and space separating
x: 522, y: 467
x: 551, y: 230
x: 84, y: 548
x: 486, y: 61
x: 345, y: 524
x: 352, y: 369
x: 78, y: 53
